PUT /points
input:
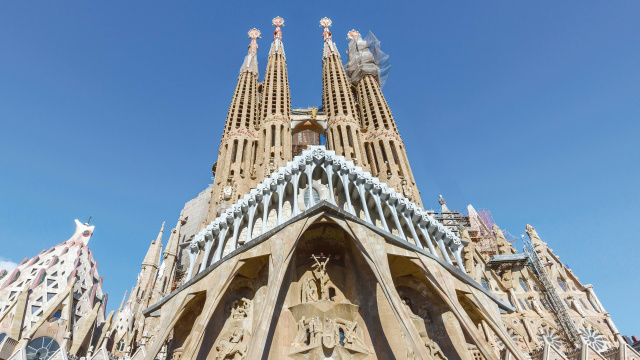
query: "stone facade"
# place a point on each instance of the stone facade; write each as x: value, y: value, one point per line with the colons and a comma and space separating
x: 330, y: 255
x: 52, y: 305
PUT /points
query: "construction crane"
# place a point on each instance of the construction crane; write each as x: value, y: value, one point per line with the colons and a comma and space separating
x: 561, y: 311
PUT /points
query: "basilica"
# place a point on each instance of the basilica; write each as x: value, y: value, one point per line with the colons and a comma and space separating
x: 312, y: 243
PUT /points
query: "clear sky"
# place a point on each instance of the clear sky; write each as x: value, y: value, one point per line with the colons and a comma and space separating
x: 530, y: 109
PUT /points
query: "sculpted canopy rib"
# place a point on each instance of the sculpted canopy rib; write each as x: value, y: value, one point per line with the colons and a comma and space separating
x: 390, y: 212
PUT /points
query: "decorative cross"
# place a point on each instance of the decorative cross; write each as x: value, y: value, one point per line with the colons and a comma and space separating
x: 277, y: 22
x: 353, y: 34
x: 254, y: 34
x: 325, y: 23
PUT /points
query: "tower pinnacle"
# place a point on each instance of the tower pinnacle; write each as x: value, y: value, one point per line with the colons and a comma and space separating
x: 277, y: 22
x: 329, y: 45
x: 159, y: 239
x: 353, y: 34
x: 250, y: 63
x: 277, y: 47
x: 443, y: 203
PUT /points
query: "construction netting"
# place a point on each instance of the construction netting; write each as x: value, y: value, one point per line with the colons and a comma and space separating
x: 366, y: 57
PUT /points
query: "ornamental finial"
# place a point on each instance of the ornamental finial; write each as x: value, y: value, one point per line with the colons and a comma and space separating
x: 254, y: 34
x: 441, y: 200
x: 353, y: 34
x: 325, y: 23
x: 277, y: 22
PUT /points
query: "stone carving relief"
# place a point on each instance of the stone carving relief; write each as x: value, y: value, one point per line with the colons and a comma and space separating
x: 434, y: 350
x: 320, y: 273
x: 324, y: 320
x: 309, y: 290
x: 232, y: 345
x: 422, y: 313
x: 240, y: 309
x: 406, y: 190
x: 592, y: 336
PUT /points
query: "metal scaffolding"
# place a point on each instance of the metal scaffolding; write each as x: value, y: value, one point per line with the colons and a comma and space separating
x: 560, y: 310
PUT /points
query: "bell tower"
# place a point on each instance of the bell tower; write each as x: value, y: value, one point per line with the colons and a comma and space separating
x: 238, y: 148
x: 275, y: 108
x: 384, y: 148
x: 343, y: 126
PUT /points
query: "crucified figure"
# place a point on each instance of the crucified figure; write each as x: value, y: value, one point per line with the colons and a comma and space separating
x: 320, y: 272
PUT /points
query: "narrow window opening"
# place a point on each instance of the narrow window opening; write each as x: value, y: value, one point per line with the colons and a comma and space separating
x: 273, y: 135
x: 234, y: 151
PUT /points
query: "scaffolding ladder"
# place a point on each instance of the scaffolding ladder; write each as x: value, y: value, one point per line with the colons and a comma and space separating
x: 557, y: 304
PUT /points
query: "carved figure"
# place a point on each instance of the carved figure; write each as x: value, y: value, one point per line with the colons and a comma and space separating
x: 227, y: 191
x: 423, y: 312
x: 233, y: 348
x: 352, y: 334
x: 315, y: 328
x: 309, y: 291
x: 434, y: 350
x: 329, y: 333
x: 240, y: 308
x: 320, y: 272
x: 303, y: 330
x: 406, y: 190
x: 406, y: 302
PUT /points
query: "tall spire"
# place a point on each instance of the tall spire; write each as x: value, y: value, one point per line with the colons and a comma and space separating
x: 275, y: 114
x: 160, y: 233
x: 343, y: 126
x: 238, y: 148
x: 277, y: 47
x: 123, y: 301
x: 383, y: 146
x: 329, y: 46
x: 153, y: 254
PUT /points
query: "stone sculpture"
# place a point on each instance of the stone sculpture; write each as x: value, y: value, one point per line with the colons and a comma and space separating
x: 320, y: 272
x: 309, y: 291
x: 232, y: 348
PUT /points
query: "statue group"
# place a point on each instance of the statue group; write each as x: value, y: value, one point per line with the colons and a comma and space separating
x: 233, y: 346
x: 320, y: 280
x: 313, y: 332
x: 314, y: 329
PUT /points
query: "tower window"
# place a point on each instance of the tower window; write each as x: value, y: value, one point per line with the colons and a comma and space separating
x: 562, y: 284
x: 523, y: 285
x: 273, y: 135
x: 234, y: 152
x: 484, y: 283
x: 383, y: 152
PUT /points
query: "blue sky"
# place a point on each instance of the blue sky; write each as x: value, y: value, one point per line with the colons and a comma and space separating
x: 115, y: 109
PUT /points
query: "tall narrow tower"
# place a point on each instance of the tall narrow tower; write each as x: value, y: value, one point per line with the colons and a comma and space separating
x: 150, y: 266
x: 343, y: 127
x: 384, y: 148
x: 275, y: 107
x: 238, y: 149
